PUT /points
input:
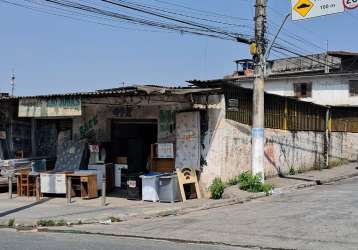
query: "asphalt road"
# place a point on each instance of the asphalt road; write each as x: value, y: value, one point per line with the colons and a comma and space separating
x: 323, y: 217
x: 41, y: 241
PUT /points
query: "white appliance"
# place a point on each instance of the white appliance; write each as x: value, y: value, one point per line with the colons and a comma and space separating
x: 53, y: 183
x: 150, y: 187
x: 118, y: 174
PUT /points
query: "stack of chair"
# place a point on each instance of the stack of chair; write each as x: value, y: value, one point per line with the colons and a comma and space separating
x: 27, y: 184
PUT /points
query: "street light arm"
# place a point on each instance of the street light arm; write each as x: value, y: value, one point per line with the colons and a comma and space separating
x: 267, y: 54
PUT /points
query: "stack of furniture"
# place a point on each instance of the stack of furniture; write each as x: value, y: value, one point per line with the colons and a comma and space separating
x: 162, y: 157
x: 27, y: 184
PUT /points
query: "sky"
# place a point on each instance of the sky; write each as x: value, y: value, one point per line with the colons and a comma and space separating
x: 53, y: 54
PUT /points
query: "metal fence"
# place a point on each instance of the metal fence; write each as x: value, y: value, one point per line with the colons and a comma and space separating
x: 344, y: 120
x: 287, y: 113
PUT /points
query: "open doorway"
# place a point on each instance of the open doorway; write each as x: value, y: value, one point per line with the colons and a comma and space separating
x: 132, y: 139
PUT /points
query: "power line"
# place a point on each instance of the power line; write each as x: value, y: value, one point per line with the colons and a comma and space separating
x: 299, y: 38
x: 74, y: 9
x: 39, y: 10
x: 190, y: 27
x: 136, y: 20
x: 308, y: 31
x: 210, y: 13
x: 120, y: 4
x: 185, y: 15
x: 302, y: 56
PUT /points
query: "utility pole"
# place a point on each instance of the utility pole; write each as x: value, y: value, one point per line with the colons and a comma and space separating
x: 258, y: 123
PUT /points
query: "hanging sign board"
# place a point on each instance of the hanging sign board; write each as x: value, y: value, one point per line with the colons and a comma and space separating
x: 55, y: 107
x: 350, y: 4
x: 304, y: 9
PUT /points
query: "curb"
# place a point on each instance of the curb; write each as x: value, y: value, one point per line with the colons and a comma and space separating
x: 336, y: 178
x: 167, y: 239
x: 160, y: 214
x: 181, y: 211
x: 317, y: 182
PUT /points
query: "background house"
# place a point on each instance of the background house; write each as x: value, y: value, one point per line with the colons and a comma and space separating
x: 326, y: 79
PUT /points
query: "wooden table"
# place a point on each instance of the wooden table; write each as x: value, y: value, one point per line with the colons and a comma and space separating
x: 88, y: 184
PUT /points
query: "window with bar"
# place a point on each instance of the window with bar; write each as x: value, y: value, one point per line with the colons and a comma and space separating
x: 302, y: 90
x: 353, y: 87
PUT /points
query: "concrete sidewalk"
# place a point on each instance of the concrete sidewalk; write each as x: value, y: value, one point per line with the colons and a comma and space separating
x: 320, y: 217
x: 314, y: 177
x: 27, y: 211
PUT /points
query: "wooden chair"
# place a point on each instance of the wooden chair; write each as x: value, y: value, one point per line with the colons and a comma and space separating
x: 187, y: 176
x: 19, y: 154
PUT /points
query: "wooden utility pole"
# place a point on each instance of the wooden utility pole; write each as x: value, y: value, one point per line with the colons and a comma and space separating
x: 258, y: 123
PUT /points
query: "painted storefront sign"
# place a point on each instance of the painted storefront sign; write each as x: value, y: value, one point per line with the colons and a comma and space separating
x: 56, y: 107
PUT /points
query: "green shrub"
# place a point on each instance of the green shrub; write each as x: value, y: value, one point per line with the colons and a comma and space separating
x: 292, y: 171
x: 233, y: 181
x: 217, y: 188
x: 253, y: 183
x: 46, y: 223
x: 51, y: 223
x: 61, y: 222
x: 266, y: 188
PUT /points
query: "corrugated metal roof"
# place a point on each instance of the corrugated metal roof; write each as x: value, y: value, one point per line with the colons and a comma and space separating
x: 342, y: 53
x: 213, y: 83
x: 131, y: 90
x: 227, y: 82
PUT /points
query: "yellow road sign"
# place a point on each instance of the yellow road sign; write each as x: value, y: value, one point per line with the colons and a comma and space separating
x: 303, y: 7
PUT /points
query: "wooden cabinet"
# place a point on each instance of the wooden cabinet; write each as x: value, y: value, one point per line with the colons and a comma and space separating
x: 88, y: 184
x: 159, y: 163
x: 89, y: 187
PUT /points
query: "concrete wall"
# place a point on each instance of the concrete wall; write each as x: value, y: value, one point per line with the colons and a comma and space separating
x: 344, y: 147
x: 326, y: 90
x: 229, y: 151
